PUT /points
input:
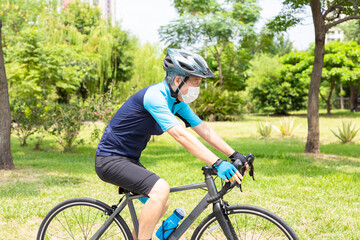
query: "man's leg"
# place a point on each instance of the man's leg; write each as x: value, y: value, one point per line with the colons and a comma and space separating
x: 153, y: 209
x: 162, y: 214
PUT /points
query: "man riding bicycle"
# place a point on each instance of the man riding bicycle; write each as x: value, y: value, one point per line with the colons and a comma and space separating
x: 152, y: 111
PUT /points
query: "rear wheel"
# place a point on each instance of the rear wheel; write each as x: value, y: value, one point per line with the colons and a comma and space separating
x: 80, y: 218
x: 249, y: 222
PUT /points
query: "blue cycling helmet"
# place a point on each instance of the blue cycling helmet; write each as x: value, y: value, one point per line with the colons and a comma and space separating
x: 186, y: 63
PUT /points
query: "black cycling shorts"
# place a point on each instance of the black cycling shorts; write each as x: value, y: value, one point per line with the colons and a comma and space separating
x: 126, y: 173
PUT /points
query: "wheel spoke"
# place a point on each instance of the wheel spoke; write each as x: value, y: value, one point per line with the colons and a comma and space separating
x: 254, y: 228
x: 65, y: 228
x: 245, y: 226
x: 249, y: 222
x: 111, y: 236
x: 238, y: 227
x: 77, y: 219
x: 92, y: 224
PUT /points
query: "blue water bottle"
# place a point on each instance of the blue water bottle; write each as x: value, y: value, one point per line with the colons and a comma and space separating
x: 170, y: 224
x: 143, y: 199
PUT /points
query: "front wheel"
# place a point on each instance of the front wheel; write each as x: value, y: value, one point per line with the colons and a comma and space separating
x: 80, y: 218
x: 249, y: 222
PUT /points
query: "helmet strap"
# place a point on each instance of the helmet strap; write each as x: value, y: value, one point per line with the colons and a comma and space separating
x: 175, y: 93
x: 181, y: 84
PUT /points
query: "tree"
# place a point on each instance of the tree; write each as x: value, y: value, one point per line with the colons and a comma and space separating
x: 340, y: 62
x: 326, y: 14
x: 279, y: 85
x: 211, y: 25
x: 6, y: 161
x: 351, y: 30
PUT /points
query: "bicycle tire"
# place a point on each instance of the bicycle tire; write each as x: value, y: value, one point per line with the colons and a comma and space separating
x: 80, y: 218
x: 267, y: 225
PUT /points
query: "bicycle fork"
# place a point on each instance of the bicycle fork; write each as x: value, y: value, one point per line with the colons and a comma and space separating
x: 224, y: 221
x: 219, y: 211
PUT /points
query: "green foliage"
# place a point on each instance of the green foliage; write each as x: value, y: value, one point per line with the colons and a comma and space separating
x: 341, y: 61
x: 66, y: 121
x: 196, y: 6
x: 264, y: 129
x: 347, y: 131
x: 82, y: 16
x: 287, y: 127
x: 278, y: 87
x: 115, y: 57
x: 66, y: 53
x: 17, y: 15
x: 25, y: 120
x: 147, y: 69
x: 273, y: 43
x: 289, y: 16
x: 351, y: 30
x: 216, y: 104
x: 101, y: 109
x: 218, y: 27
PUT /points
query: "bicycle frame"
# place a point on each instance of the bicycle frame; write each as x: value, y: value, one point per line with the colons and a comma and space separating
x: 195, y: 213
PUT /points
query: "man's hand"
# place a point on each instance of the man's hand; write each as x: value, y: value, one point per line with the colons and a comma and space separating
x: 238, y: 156
x: 225, y: 170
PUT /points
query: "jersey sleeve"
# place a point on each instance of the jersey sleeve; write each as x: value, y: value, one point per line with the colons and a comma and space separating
x: 186, y: 114
x: 155, y: 103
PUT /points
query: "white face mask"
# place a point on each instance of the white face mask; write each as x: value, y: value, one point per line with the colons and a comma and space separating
x: 192, y: 94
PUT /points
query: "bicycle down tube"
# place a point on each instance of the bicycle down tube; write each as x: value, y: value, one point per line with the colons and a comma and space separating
x: 195, y: 213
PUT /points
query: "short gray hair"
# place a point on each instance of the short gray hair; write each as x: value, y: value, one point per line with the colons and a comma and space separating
x: 170, y: 77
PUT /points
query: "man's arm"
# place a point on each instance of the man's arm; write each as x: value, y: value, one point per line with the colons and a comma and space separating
x: 199, y: 150
x: 192, y: 144
x: 209, y: 135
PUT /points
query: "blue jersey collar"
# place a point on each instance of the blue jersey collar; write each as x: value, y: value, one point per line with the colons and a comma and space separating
x: 169, y: 93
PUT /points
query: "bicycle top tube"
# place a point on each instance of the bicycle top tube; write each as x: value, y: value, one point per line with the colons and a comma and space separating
x: 174, y: 189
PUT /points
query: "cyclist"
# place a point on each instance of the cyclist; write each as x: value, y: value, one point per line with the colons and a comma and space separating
x: 152, y: 111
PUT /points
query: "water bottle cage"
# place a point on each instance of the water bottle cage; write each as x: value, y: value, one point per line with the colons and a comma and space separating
x: 165, y: 230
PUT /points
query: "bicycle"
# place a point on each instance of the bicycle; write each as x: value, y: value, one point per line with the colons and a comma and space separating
x: 85, y: 218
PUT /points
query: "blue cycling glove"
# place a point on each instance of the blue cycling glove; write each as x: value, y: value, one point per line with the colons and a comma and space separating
x: 225, y: 170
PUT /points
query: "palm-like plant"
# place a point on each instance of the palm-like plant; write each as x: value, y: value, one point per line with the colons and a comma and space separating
x: 346, y: 132
x: 264, y: 129
x: 287, y: 127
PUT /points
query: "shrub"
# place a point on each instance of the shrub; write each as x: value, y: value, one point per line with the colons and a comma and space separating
x: 278, y: 85
x: 101, y: 108
x: 66, y: 121
x: 264, y: 129
x: 216, y: 104
x: 287, y: 127
x: 27, y: 119
x: 346, y: 132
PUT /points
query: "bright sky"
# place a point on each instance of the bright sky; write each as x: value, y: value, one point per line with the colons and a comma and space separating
x: 143, y: 19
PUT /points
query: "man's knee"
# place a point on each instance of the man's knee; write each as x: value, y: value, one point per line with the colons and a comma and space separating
x: 160, y: 191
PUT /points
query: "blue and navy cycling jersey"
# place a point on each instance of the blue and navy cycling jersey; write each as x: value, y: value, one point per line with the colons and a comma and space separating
x: 151, y: 111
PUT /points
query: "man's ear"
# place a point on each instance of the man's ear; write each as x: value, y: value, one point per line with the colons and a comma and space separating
x: 177, y: 80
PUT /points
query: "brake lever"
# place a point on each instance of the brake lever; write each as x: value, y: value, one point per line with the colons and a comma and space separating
x: 241, y: 168
x: 250, y: 159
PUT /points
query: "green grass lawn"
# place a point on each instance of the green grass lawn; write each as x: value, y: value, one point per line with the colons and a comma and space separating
x: 317, y: 195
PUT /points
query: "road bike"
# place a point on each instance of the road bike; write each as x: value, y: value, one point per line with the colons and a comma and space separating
x: 85, y: 218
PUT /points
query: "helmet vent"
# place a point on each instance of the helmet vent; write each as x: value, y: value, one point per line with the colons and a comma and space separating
x: 185, y: 66
x: 200, y: 63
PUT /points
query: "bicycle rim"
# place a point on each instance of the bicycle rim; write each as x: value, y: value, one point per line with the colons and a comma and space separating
x: 79, y: 219
x: 249, y: 223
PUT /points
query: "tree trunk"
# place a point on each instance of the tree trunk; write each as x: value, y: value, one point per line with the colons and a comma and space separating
x: 220, y: 71
x: 341, y: 96
x: 313, y: 137
x: 328, y: 101
x: 353, y: 98
x: 6, y: 161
